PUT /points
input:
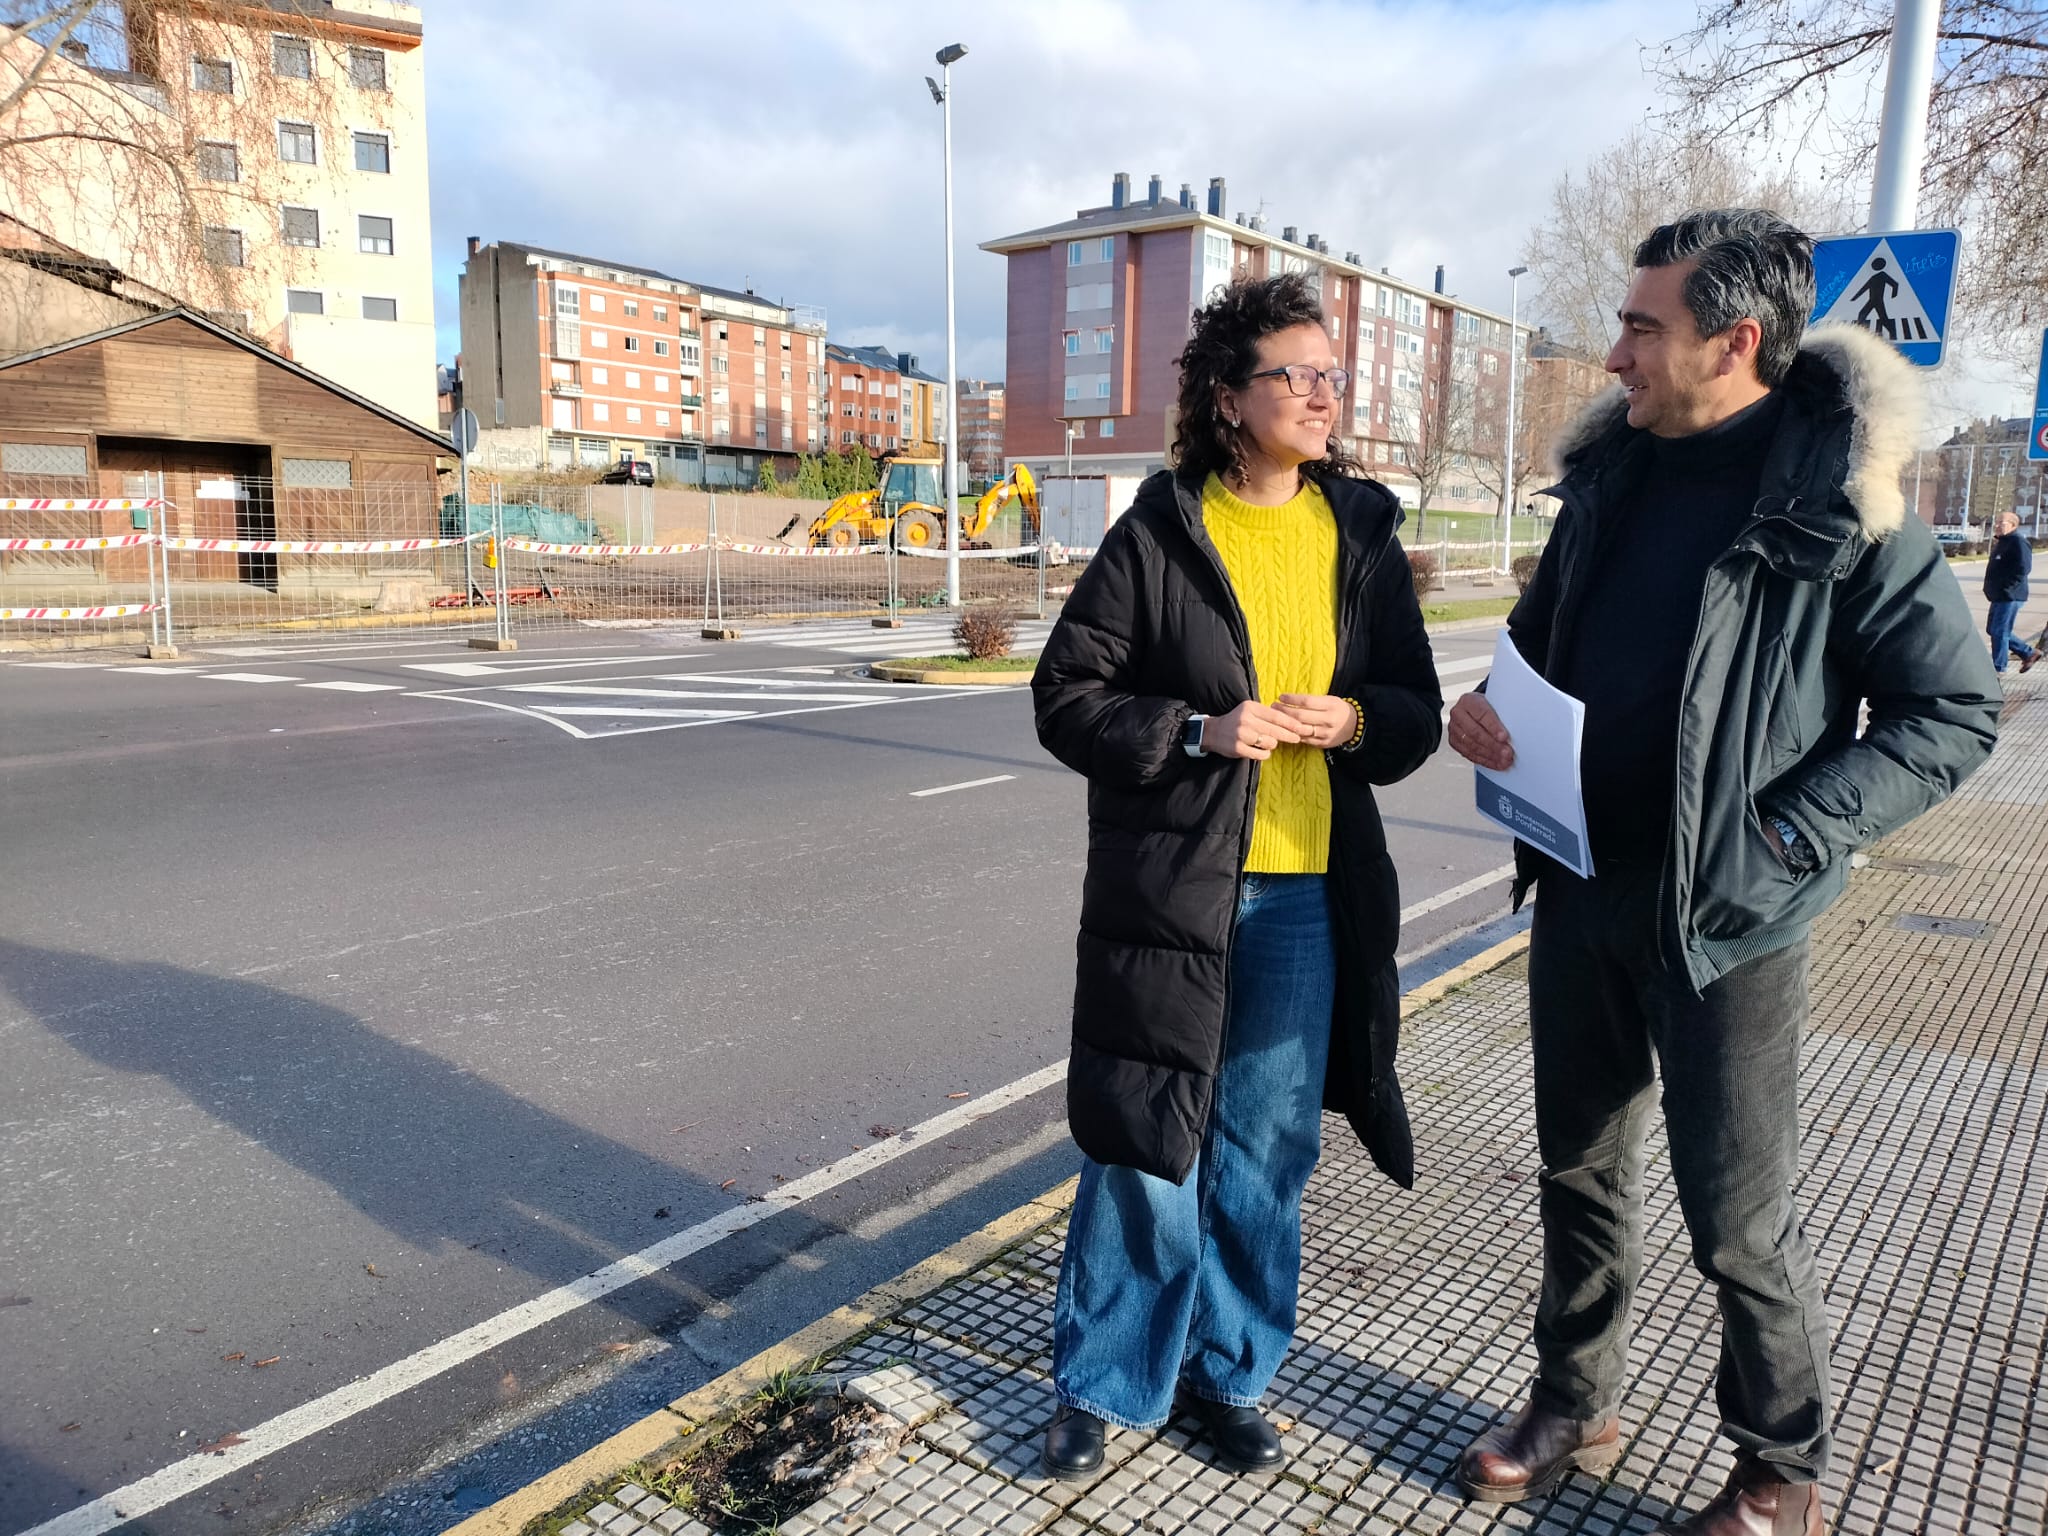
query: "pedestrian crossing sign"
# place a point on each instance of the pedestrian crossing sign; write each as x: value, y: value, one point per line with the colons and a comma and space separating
x: 2037, y: 439
x: 1899, y: 286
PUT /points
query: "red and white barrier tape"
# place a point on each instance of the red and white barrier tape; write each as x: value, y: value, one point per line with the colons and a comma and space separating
x: 88, y: 504
x: 786, y: 552
x: 112, y: 541
x: 126, y: 610
x: 602, y: 551
x: 309, y: 546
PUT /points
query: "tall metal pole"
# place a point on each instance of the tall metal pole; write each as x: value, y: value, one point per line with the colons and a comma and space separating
x: 1902, y: 134
x: 1507, y: 479
x: 952, y: 365
x: 468, y: 548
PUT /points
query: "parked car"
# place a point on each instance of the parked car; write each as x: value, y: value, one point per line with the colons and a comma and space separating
x: 628, y: 472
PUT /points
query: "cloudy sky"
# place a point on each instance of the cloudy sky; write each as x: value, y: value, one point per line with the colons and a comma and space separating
x: 791, y: 145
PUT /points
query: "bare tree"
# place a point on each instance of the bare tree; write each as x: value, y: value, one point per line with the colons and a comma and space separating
x: 1811, y: 72
x: 143, y: 133
x: 1581, y: 256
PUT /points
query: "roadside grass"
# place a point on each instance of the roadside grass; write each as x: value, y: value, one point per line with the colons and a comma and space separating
x: 1467, y: 608
x: 964, y: 663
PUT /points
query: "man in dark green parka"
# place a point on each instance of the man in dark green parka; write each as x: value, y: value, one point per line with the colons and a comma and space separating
x: 1732, y: 581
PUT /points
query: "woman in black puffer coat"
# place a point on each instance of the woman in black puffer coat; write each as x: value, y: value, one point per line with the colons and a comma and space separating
x: 1241, y: 662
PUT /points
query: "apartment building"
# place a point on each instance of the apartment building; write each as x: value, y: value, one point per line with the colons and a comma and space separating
x: 1099, y: 309
x: 881, y: 401
x: 298, y: 133
x: 594, y: 359
x: 979, y: 405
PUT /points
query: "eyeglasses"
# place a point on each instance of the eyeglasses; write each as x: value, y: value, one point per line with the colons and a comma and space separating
x: 1301, y: 379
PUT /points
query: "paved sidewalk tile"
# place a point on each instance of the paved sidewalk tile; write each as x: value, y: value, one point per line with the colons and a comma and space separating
x: 1923, y: 1187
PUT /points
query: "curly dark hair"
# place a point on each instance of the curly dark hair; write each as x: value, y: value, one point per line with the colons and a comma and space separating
x: 1224, y: 349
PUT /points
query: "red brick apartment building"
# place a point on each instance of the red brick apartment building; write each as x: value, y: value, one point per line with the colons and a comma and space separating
x: 598, y: 359
x: 980, y: 406
x: 881, y: 400
x: 1099, y: 308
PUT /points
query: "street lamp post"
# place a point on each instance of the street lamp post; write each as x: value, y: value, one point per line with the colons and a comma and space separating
x: 1507, y: 478
x: 1902, y: 132
x: 942, y: 93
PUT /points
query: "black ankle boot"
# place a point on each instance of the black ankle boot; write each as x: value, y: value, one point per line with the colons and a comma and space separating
x: 1073, y: 1444
x: 1241, y: 1438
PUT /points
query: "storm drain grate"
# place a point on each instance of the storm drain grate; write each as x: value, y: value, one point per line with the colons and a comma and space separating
x: 1947, y: 927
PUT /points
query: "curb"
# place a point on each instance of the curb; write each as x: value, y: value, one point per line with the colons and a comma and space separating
x: 667, y: 1428
x: 891, y: 672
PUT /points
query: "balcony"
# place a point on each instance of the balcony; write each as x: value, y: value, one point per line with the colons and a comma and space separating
x: 690, y: 402
x: 564, y: 387
x: 689, y: 330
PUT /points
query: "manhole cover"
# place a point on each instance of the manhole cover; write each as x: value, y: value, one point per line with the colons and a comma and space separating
x: 1947, y: 927
x: 1913, y: 866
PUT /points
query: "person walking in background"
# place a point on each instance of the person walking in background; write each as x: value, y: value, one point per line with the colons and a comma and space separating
x: 2005, y: 588
x: 1240, y: 663
x: 1731, y: 577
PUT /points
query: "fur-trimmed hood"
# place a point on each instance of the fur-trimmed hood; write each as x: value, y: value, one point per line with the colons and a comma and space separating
x: 1841, y: 371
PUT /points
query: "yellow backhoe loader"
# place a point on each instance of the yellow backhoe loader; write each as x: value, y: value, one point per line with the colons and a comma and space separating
x: 910, y: 503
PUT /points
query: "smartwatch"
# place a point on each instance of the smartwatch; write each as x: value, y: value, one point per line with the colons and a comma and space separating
x: 1191, y: 735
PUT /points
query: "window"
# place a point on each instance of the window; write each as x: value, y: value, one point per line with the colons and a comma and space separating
x: 373, y: 152
x: 760, y: 337
x: 222, y: 247
x: 632, y: 343
x: 785, y: 373
x: 296, y: 143
x: 1108, y: 248
x: 600, y: 338
x: 373, y: 234
x: 316, y: 474
x: 43, y: 459
x: 660, y: 347
x: 305, y: 301
x: 889, y: 390
x: 599, y: 411
x: 1074, y: 256
x: 291, y: 57
x: 874, y: 386
x: 216, y: 76
x: 1104, y: 295
x: 1109, y: 426
x: 661, y: 314
x: 721, y: 330
x: 718, y: 365
x: 1080, y: 297
x: 1490, y: 363
x: 379, y: 309
x: 1105, y: 338
x: 661, y: 418
x: 632, y: 379
x: 760, y: 367
x: 300, y: 226
x: 366, y: 68
x: 568, y: 301
x: 597, y: 303
x: 889, y: 416
x: 1102, y: 386
x: 760, y: 399
x: 217, y: 162
x: 600, y: 375
x: 1073, y: 389
x: 558, y: 370
x: 632, y: 413
x: 661, y: 383
x: 632, y: 306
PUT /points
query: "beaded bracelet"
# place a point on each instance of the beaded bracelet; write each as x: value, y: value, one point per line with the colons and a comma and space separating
x: 1357, y: 735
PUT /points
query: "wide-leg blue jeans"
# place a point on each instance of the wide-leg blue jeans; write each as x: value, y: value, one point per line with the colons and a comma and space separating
x: 1196, y: 1283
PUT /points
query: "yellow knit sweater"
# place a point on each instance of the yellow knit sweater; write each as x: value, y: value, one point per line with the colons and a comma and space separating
x: 1283, y: 564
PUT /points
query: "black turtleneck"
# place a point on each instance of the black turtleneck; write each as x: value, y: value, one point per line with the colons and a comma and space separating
x: 1636, y: 614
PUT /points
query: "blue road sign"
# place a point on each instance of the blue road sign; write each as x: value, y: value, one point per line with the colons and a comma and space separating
x: 2037, y: 440
x: 1899, y: 286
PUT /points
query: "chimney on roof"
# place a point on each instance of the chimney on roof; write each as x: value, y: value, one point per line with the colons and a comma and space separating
x: 1187, y: 196
x: 1352, y: 258
x: 1259, y: 222
x: 474, y: 245
x: 1216, y: 197
x: 1291, y: 233
x: 1243, y: 220
x: 1120, y: 190
x: 906, y: 362
x: 1154, y: 188
x: 1315, y: 242
x: 1439, y: 277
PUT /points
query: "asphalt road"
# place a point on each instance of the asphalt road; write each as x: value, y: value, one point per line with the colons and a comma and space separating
x: 353, y: 995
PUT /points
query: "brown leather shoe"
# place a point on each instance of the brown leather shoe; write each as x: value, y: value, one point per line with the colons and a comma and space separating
x: 1756, y: 1502
x: 1530, y: 1454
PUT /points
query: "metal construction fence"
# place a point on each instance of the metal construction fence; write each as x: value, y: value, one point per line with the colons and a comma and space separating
x: 526, y: 558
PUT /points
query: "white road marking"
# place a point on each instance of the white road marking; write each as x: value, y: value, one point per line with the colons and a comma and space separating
x: 250, y: 677
x: 601, y: 690
x: 1456, y: 892
x: 358, y: 687
x: 947, y: 789
x: 1469, y: 664
x: 1452, y: 695
x: 519, y: 664
x: 642, y: 712
x: 149, y: 1494
x: 308, y: 650
x: 76, y: 666
x: 148, y: 671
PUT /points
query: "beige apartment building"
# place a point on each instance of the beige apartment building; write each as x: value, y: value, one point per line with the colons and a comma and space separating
x: 575, y: 360
x: 1099, y: 309
x: 299, y: 211
x: 881, y: 401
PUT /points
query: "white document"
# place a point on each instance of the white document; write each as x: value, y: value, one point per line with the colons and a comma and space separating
x: 1540, y: 799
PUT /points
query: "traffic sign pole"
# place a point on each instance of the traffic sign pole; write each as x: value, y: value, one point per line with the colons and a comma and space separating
x: 1902, y: 133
